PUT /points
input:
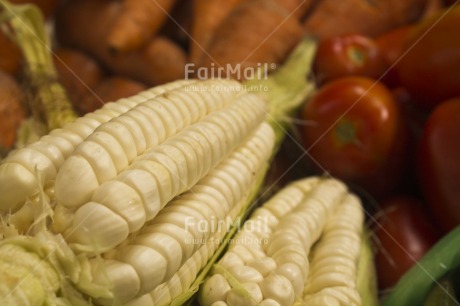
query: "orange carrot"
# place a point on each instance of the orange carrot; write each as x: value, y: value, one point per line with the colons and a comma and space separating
x: 160, y: 61
x: 84, y: 25
x: 432, y: 7
x: 137, y: 23
x: 10, y: 55
x: 332, y: 18
x: 207, y: 15
x: 78, y: 73
x: 257, y: 32
x: 178, y: 26
x: 109, y: 89
x: 12, y: 110
x: 297, y: 7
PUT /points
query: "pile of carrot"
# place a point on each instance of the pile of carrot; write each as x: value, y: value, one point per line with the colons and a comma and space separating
x: 136, y: 44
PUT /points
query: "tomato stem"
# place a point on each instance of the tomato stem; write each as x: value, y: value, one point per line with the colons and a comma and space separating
x: 356, y: 56
x: 345, y: 132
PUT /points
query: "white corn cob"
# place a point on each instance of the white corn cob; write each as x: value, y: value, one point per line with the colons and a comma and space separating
x: 271, y: 252
x: 201, y: 148
x: 334, y: 259
x: 125, y: 274
x: 165, y: 257
x: 152, y: 180
x: 115, y: 144
x: 18, y: 180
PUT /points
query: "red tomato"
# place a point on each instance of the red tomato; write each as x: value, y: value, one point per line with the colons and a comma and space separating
x: 348, y: 55
x: 356, y: 133
x: 439, y: 163
x: 430, y: 70
x: 403, y: 233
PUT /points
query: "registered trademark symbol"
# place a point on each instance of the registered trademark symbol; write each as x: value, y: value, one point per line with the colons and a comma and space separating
x: 272, y: 66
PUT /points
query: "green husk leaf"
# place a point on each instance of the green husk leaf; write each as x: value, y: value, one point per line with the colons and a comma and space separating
x: 47, y: 98
x: 29, y: 131
x: 416, y: 284
x: 366, y: 282
x: 288, y: 88
x: 442, y: 294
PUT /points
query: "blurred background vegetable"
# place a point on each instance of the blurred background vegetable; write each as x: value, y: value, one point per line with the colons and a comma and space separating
x: 366, y: 17
x: 347, y: 55
x: 430, y: 69
x: 264, y: 31
x: 10, y: 55
x: 79, y: 74
x: 403, y: 232
x: 439, y: 164
x: 137, y: 22
x: 85, y: 25
x: 47, y: 99
x: 110, y: 89
x: 356, y: 133
x: 12, y: 110
x: 208, y: 15
x: 415, y: 285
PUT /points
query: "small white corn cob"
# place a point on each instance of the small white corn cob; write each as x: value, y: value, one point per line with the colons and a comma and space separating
x: 137, y: 194
x: 268, y: 263
x: 334, y: 259
x: 165, y: 257
x: 18, y: 181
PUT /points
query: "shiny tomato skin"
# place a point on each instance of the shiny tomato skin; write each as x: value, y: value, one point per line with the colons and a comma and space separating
x: 347, y: 55
x: 438, y: 163
x: 356, y: 133
x: 402, y: 233
x: 430, y: 70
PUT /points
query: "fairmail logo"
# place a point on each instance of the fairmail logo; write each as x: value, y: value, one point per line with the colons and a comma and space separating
x: 258, y: 72
x: 200, y: 228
